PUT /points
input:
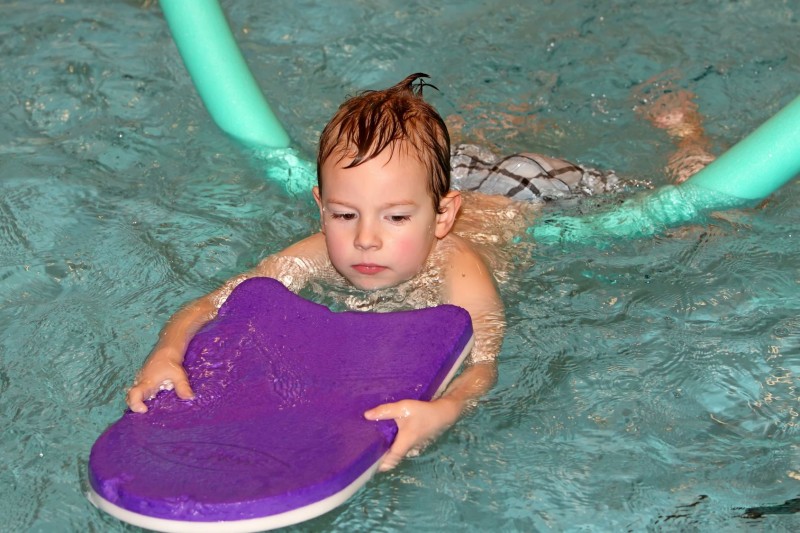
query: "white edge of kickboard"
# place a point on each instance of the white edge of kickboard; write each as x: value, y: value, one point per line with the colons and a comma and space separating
x: 287, y: 518
x: 456, y: 366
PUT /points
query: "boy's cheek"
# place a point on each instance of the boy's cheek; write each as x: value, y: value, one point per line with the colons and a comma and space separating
x: 335, y: 240
x: 412, y: 247
x: 336, y: 246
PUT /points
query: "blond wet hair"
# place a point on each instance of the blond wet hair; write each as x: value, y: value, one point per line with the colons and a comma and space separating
x: 395, y: 118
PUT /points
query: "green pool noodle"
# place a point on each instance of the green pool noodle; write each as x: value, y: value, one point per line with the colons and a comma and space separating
x: 751, y: 170
x: 220, y: 73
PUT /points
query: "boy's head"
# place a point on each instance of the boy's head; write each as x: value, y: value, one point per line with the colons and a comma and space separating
x: 383, y: 158
x: 373, y: 121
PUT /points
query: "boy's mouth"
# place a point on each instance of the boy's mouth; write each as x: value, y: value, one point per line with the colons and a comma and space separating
x: 368, y: 268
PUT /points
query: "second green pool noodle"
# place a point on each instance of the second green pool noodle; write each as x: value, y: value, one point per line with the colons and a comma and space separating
x: 751, y: 170
x: 220, y: 73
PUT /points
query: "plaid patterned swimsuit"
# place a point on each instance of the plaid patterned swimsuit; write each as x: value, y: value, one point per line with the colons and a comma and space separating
x: 526, y: 176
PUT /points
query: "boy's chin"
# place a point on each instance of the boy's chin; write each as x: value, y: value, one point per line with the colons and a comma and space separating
x: 372, y: 283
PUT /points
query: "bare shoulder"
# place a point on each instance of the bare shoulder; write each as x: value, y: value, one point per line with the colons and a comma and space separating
x: 468, y: 283
x: 312, y: 247
x: 460, y: 251
x: 467, y: 278
x: 295, y: 264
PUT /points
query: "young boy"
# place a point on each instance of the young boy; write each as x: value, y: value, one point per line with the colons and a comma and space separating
x: 387, y: 215
x: 392, y: 228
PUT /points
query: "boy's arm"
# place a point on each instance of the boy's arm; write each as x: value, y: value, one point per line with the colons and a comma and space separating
x: 164, y: 367
x: 468, y: 283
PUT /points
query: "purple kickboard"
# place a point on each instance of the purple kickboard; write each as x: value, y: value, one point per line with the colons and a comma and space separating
x: 281, y: 386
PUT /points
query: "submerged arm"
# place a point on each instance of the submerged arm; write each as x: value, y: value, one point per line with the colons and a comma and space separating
x: 468, y: 284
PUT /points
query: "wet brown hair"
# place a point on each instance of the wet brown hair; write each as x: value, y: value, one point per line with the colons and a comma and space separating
x: 368, y: 123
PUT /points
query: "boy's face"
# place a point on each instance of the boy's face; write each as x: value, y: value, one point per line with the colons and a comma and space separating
x: 378, y: 218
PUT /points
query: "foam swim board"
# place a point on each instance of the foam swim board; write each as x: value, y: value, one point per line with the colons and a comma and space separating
x: 276, y: 433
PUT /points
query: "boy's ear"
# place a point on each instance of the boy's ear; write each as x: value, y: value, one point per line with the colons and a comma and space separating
x: 318, y: 199
x: 449, y: 206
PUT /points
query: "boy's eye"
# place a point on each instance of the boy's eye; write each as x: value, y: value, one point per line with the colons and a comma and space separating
x: 397, y: 219
x: 343, y: 216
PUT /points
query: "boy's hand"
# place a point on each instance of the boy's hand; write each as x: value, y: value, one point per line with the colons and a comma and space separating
x: 418, y: 424
x: 158, y: 373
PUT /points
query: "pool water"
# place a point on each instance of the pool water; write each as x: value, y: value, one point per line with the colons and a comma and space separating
x: 649, y: 385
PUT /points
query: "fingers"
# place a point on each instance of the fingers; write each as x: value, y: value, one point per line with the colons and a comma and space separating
x: 390, y: 461
x: 135, y: 399
x: 401, y: 448
x: 184, y: 390
x: 403, y: 442
x: 139, y: 393
x: 388, y: 411
x: 378, y: 413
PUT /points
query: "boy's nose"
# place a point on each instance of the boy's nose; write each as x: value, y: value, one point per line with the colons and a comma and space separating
x: 367, y: 236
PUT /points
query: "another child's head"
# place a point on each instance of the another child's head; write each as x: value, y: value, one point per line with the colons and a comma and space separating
x: 373, y: 121
x: 384, y: 194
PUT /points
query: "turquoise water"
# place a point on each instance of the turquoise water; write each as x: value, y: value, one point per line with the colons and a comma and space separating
x: 648, y: 386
